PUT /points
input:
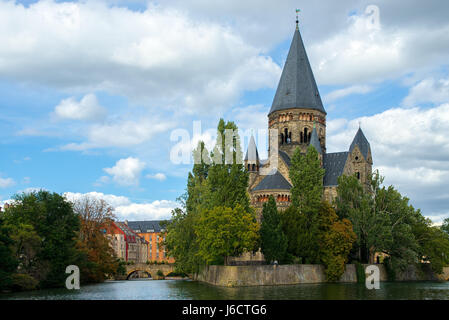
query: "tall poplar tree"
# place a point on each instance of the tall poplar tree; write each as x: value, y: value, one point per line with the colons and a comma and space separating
x: 273, y: 239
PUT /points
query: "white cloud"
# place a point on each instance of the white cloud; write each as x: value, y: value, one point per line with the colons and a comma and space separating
x: 86, y: 109
x: 156, y: 210
x: 127, y: 171
x: 428, y: 90
x: 157, y: 176
x: 120, y: 133
x: 159, y: 54
x: 341, y: 93
x: 6, y: 182
x: 366, y: 52
x: 126, y: 209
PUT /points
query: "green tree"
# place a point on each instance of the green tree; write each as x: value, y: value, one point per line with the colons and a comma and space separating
x: 54, y: 221
x: 225, y: 232
x: 335, y: 239
x: 273, y: 240
x: 8, y: 263
x: 307, y: 176
x: 445, y: 226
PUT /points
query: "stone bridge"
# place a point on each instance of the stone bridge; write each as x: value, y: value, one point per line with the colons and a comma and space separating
x: 151, y: 270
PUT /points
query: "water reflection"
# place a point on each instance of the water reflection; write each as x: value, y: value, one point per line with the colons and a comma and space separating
x: 187, y: 290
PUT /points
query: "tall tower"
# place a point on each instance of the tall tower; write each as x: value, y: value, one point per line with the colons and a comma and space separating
x: 297, y: 104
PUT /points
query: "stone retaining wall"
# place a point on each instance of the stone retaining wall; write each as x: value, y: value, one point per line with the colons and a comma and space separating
x: 266, y: 275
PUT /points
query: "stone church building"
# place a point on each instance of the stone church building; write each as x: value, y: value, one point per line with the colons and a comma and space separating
x: 299, y: 116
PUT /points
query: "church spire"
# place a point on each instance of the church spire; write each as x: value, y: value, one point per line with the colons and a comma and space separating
x: 297, y: 87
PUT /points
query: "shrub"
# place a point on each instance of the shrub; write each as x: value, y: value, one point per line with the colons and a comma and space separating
x: 160, y: 273
x: 23, y: 282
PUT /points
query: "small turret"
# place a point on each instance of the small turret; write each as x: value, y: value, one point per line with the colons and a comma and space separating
x: 252, y: 161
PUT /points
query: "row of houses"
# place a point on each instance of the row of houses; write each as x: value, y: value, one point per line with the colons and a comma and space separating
x: 138, y: 241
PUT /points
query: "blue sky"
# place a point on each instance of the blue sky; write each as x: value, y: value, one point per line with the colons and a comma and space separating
x: 91, y: 91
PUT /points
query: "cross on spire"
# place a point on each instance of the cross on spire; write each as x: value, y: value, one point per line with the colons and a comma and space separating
x: 297, y: 19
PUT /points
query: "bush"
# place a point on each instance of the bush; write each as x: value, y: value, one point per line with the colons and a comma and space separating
x: 23, y: 282
x: 160, y: 273
x: 360, y: 271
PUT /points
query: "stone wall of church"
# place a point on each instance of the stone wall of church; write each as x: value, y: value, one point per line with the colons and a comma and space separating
x: 294, y: 122
x: 356, y: 164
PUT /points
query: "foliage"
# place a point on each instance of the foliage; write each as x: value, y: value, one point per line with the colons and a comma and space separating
x: 335, y: 240
x: 95, y: 215
x: 224, y: 232
x: 220, y: 183
x: 52, y: 219
x: 23, y: 282
x: 8, y: 262
x: 273, y: 240
x: 160, y: 273
x: 384, y: 221
x: 307, y: 176
x: 360, y: 271
x: 445, y: 226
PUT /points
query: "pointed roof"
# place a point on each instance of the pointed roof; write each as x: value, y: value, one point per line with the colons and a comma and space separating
x: 334, y: 165
x: 274, y: 181
x: 360, y: 141
x: 297, y: 87
x: 251, y: 153
x: 315, y: 141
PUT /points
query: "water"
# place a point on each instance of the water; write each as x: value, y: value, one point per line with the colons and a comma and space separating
x: 187, y: 290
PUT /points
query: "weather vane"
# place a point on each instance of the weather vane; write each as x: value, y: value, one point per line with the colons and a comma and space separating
x: 297, y: 19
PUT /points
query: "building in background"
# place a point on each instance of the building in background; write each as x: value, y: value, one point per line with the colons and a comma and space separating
x: 127, y: 244
x: 154, y: 234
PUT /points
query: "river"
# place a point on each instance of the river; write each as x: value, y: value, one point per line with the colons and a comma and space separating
x: 143, y: 289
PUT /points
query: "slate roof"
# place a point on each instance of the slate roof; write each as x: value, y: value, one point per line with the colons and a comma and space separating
x: 145, y: 226
x: 334, y: 164
x: 315, y: 141
x: 273, y: 182
x: 251, y: 153
x: 297, y: 87
x: 361, y: 141
x: 285, y: 157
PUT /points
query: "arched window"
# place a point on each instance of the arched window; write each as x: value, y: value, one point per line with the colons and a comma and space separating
x: 309, y: 137
x: 249, y: 167
x: 358, y: 175
x: 254, y: 167
x: 282, y: 138
x: 286, y: 135
x: 305, y: 135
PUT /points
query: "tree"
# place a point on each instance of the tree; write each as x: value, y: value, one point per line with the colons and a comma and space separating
x: 371, y: 224
x: 8, y: 263
x: 307, y: 176
x: 95, y: 215
x: 445, y: 226
x: 273, y: 240
x: 54, y: 221
x: 225, y: 232
x: 335, y: 239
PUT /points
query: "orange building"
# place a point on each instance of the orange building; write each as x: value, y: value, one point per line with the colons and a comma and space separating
x: 154, y: 234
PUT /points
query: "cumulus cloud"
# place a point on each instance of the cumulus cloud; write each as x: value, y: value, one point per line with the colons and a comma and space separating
x: 428, y: 91
x: 410, y: 147
x: 367, y: 51
x: 120, y: 133
x: 341, y: 93
x: 157, y: 176
x: 6, y: 182
x: 125, y: 209
x: 126, y: 172
x: 85, y: 109
x: 196, y: 63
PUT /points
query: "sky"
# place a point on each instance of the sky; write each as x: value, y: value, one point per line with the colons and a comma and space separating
x: 98, y: 97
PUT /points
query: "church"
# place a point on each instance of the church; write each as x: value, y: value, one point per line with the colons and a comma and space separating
x: 299, y: 116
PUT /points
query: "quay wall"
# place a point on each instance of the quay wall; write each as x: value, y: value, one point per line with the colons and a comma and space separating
x: 268, y: 275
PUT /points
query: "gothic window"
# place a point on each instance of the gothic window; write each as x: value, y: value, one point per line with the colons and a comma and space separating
x: 286, y: 135
x: 254, y: 167
x: 305, y: 135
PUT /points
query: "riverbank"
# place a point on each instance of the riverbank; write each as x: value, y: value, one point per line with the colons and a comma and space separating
x: 272, y: 275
